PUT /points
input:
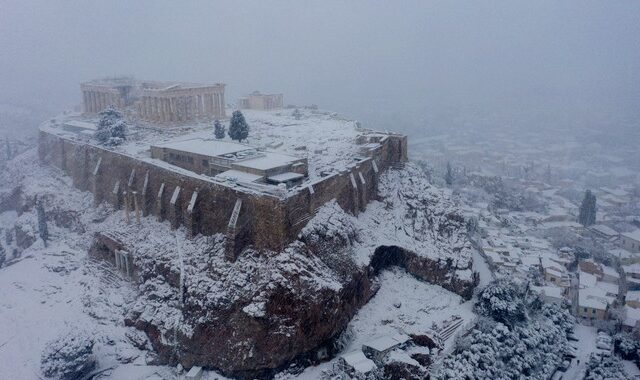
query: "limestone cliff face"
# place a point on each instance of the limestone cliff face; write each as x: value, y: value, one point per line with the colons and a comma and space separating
x: 254, y: 316
x: 251, y: 317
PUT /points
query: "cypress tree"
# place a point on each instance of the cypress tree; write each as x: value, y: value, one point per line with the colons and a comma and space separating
x: 9, y: 153
x: 3, y: 255
x: 219, y: 130
x: 587, y: 214
x: 238, y: 128
x: 448, y: 177
x: 42, y: 222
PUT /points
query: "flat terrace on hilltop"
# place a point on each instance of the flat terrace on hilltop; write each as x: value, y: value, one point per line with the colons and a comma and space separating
x: 261, y: 192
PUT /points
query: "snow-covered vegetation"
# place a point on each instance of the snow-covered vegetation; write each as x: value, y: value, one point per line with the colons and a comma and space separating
x: 111, y: 129
x: 608, y: 368
x: 518, y: 338
x: 69, y: 357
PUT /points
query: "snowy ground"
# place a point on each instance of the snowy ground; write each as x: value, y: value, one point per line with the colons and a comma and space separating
x: 402, y: 305
x: 49, y: 289
x: 325, y: 139
x: 586, y: 345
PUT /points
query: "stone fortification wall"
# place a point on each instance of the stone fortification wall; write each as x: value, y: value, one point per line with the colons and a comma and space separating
x: 263, y: 220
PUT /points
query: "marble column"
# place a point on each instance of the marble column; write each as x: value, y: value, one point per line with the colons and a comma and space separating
x: 183, y: 108
x: 84, y: 101
x: 212, y: 102
x: 143, y: 107
x: 193, y: 107
x: 222, y: 104
x: 201, y: 105
x: 163, y: 111
x: 94, y: 101
x: 214, y: 98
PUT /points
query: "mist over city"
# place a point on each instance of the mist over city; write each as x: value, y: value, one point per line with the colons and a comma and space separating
x: 319, y: 190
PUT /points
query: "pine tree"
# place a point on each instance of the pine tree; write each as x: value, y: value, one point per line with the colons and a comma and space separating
x: 3, y: 255
x: 238, y: 128
x: 9, y: 153
x: 42, y: 222
x: 548, y: 174
x: 219, y: 130
x: 69, y: 356
x: 448, y: 177
x: 111, y: 129
x: 587, y: 214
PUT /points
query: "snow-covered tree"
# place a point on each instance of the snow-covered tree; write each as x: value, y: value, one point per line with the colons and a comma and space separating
x: 111, y: 128
x: 8, y: 147
x: 238, y: 127
x: 448, y: 176
x: 68, y: 357
x: 3, y: 255
x: 587, y: 215
x: 627, y: 346
x: 43, y: 231
x: 472, y: 225
x: 531, y: 349
x: 297, y: 114
x: 503, y: 300
x: 606, y: 368
x: 547, y: 174
x: 219, y: 130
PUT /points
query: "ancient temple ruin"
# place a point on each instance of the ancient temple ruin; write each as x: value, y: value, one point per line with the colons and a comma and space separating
x: 155, y: 102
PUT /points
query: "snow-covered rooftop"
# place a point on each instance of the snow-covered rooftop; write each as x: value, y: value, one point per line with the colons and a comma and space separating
x: 328, y: 142
x: 594, y: 298
x: 206, y: 147
x: 386, y: 342
x: 587, y: 280
x: 635, y: 235
x: 604, y: 230
x: 358, y: 361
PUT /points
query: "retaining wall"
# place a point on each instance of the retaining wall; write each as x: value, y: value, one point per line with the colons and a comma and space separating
x: 265, y: 221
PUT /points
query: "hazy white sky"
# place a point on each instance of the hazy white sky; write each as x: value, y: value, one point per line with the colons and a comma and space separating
x: 363, y: 58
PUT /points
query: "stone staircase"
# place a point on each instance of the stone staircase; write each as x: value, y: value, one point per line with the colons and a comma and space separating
x: 449, y: 329
x: 397, y: 165
x: 105, y: 271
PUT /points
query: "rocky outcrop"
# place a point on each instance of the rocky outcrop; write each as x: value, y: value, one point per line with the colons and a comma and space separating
x: 290, y: 306
x: 252, y: 317
x: 10, y: 199
x: 25, y: 235
x: 439, y: 272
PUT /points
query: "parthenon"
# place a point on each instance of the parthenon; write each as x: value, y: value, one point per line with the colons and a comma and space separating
x: 158, y: 102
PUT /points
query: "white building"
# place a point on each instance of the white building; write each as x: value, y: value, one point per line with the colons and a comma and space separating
x: 630, y: 241
x: 355, y: 363
x: 604, y: 232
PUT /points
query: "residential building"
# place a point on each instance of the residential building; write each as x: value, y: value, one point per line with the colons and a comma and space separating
x: 632, y: 299
x: 630, y: 241
x: 592, y: 305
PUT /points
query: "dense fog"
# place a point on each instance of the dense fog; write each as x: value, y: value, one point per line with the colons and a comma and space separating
x: 408, y: 65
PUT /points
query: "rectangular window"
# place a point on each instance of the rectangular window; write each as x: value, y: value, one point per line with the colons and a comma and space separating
x: 585, y: 309
x: 205, y: 163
